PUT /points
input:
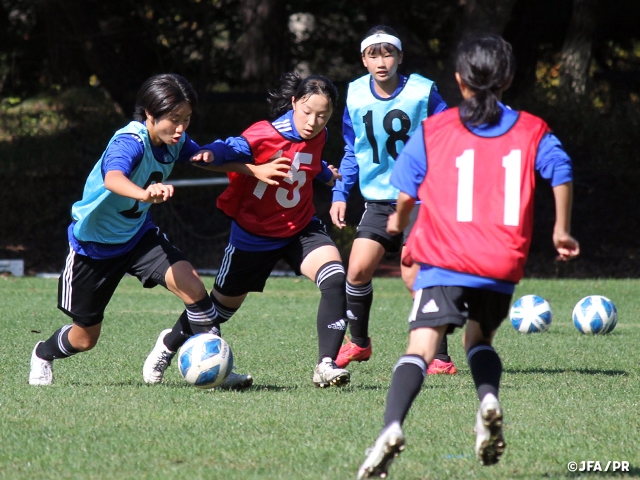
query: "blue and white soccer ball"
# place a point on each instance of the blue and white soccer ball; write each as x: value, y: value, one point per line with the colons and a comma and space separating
x: 595, y: 314
x: 205, y: 360
x: 531, y: 314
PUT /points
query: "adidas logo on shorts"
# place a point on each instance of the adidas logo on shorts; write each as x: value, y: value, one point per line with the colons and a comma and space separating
x: 430, y: 307
x: 339, y: 325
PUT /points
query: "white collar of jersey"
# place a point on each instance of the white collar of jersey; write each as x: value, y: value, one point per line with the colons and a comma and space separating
x: 380, y: 38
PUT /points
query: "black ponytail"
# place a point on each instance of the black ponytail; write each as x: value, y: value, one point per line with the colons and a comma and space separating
x: 294, y: 86
x: 485, y: 64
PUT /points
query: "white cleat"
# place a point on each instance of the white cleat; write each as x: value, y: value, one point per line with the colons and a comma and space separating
x: 327, y: 374
x: 157, y: 361
x: 41, y: 370
x: 490, y: 442
x: 236, y: 381
x: 379, y: 457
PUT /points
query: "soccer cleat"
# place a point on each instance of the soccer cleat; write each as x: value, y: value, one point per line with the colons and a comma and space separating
x: 41, y: 370
x: 157, y: 361
x: 439, y: 367
x: 379, y: 457
x: 490, y: 443
x: 350, y: 352
x: 236, y: 381
x: 327, y: 374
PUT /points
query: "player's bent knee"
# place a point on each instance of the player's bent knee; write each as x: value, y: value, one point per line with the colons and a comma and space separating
x: 331, y: 276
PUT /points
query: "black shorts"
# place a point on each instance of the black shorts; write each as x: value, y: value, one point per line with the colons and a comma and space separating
x: 243, y: 271
x: 86, y: 284
x: 453, y: 306
x: 373, y: 225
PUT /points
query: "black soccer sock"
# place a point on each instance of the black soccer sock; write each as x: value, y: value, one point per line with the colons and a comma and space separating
x: 443, y: 350
x: 330, y: 322
x: 202, y: 315
x: 179, y: 334
x: 359, y: 300
x: 486, y: 369
x: 57, y: 346
x: 408, y: 376
x: 205, y: 315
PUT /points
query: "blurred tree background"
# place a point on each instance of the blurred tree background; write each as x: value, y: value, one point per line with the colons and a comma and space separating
x: 70, y: 69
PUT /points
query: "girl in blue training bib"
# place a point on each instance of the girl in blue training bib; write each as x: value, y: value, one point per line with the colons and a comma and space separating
x: 383, y: 109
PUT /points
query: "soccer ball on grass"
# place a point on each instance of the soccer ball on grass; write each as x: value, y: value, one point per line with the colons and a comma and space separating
x: 205, y: 360
x: 531, y: 314
x: 595, y: 314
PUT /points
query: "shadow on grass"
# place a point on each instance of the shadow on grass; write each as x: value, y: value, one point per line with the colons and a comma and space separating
x: 581, y: 371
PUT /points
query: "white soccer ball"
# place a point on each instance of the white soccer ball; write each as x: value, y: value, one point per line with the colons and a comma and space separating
x: 205, y: 360
x: 595, y: 314
x: 531, y: 314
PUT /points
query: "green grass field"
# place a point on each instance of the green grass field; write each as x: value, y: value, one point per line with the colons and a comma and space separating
x: 567, y: 397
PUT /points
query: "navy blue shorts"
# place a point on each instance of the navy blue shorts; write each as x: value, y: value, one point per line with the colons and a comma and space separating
x: 87, y: 284
x: 373, y: 225
x: 244, y: 271
x: 453, y: 306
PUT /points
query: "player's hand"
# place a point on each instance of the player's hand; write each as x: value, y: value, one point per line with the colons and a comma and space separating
x: 271, y: 171
x: 393, y: 224
x: 204, y: 156
x: 567, y: 246
x: 336, y: 175
x: 158, y: 193
x: 337, y: 212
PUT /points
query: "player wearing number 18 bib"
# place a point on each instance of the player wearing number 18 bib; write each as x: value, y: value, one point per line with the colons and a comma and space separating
x: 383, y: 109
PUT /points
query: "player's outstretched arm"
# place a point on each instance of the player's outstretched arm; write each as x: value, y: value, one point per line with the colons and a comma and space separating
x: 567, y: 246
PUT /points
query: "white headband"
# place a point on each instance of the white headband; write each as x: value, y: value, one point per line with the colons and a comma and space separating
x: 380, y: 38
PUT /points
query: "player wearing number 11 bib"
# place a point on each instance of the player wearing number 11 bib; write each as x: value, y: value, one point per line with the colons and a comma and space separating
x: 383, y: 109
x: 473, y: 169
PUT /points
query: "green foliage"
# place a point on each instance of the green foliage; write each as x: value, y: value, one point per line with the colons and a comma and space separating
x: 566, y: 396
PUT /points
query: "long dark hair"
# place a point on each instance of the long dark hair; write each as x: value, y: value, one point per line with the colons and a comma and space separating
x: 376, y: 48
x: 162, y: 94
x: 293, y: 85
x: 485, y: 64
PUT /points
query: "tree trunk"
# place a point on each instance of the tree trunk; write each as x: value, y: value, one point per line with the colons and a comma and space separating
x: 264, y: 46
x: 487, y: 16
x: 576, y: 51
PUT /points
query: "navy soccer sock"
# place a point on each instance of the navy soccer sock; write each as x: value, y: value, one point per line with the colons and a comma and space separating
x: 205, y: 315
x: 408, y: 376
x: 359, y: 300
x: 443, y: 350
x: 57, y: 346
x: 330, y: 321
x: 486, y: 369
